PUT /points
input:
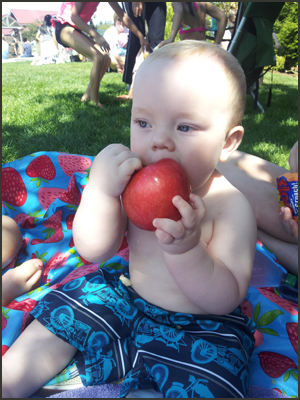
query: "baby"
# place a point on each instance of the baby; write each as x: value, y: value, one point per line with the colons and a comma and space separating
x: 176, y: 329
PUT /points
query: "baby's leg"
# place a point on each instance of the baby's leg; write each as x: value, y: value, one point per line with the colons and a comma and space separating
x: 11, y: 240
x: 20, y: 280
x: 34, y: 358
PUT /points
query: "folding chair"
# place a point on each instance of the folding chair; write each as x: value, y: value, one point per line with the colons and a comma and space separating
x: 252, y: 42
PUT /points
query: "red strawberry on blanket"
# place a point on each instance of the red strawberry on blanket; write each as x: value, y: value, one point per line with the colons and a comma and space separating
x: 287, y: 305
x: 41, y: 167
x: 292, y: 330
x: 72, y: 195
x: 57, y: 237
x: 25, y: 320
x: 54, y: 222
x: 13, y: 189
x: 77, y: 273
x: 55, y: 262
x: 47, y: 196
x: 247, y: 310
x: 4, y: 349
x: 27, y: 222
x: 24, y: 305
x: 5, y: 317
x: 72, y: 163
x: 69, y: 221
x: 275, y: 364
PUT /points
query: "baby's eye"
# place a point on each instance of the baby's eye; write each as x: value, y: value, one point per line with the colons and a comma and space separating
x: 143, y: 124
x: 185, y: 128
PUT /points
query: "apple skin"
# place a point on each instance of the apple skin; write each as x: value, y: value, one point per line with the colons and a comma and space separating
x: 150, y: 191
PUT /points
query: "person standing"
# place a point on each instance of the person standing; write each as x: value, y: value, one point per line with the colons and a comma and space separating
x: 189, y: 20
x: 47, y: 40
x: 154, y: 13
x: 15, y: 43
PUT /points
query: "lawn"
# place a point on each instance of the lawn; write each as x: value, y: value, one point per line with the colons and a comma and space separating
x: 41, y: 111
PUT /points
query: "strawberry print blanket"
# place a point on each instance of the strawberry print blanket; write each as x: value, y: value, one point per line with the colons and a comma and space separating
x: 42, y: 191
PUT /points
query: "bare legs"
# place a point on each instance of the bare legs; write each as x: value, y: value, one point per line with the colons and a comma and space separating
x: 87, y: 47
x: 256, y: 179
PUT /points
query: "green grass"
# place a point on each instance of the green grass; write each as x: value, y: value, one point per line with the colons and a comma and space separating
x: 42, y: 111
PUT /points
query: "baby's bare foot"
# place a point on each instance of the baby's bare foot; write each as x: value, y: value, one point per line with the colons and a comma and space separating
x: 20, y: 280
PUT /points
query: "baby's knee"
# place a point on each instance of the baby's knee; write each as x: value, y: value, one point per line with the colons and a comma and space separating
x: 11, y: 239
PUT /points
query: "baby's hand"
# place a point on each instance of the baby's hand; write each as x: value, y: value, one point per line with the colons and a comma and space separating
x: 181, y: 236
x: 113, y: 168
x: 289, y: 224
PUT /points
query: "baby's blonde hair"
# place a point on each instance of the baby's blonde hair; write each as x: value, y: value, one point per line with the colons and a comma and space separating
x: 231, y: 67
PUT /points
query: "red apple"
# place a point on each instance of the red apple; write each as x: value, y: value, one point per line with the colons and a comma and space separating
x: 150, y: 191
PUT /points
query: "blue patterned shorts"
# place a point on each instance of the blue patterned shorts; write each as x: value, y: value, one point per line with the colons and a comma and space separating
x: 120, y: 335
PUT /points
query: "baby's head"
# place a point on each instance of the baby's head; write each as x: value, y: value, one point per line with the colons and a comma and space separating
x: 188, y: 104
x: 187, y: 50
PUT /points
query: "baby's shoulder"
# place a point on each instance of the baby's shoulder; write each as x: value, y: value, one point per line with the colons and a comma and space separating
x: 223, y: 197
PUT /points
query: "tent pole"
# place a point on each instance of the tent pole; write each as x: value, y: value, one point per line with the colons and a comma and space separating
x: 237, y: 35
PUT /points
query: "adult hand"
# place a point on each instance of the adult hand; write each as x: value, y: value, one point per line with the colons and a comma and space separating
x: 102, y: 43
x: 164, y: 42
x: 289, y: 224
x: 181, y: 236
x: 145, y: 45
x: 137, y: 8
x: 293, y: 158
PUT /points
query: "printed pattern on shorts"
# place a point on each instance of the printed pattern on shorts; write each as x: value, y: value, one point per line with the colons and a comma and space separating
x: 118, y: 334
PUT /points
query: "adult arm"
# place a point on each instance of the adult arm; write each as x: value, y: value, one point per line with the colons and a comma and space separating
x: 38, y: 36
x: 277, y: 44
x: 127, y: 21
x: 293, y: 158
x: 221, y: 17
x: 54, y: 39
x: 177, y: 20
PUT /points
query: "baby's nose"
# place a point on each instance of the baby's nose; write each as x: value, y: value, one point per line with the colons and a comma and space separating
x: 162, y: 141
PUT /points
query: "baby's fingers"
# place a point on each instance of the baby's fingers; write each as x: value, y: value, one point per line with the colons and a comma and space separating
x: 168, y: 230
x: 193, y: 213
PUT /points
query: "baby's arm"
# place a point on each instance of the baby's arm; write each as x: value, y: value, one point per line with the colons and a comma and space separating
x: 213, y: 276
x: 100, y: 222
x: 34, y: 358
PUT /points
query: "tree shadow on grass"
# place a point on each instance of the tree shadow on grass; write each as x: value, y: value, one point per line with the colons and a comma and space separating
x: 277, y: 127
x: 68, y: 125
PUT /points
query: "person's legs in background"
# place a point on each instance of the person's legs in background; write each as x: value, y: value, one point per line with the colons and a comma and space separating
x: 133, y: 45
x: 87, y: 47
x: 156, y: 13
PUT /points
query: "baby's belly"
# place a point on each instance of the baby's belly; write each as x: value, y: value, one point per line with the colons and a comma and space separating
x: 154, y: 283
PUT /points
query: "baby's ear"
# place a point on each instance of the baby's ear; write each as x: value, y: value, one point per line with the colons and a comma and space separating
x: 233, y: 140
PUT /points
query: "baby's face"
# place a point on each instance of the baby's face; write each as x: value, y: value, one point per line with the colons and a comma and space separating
x: 181, y: 110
